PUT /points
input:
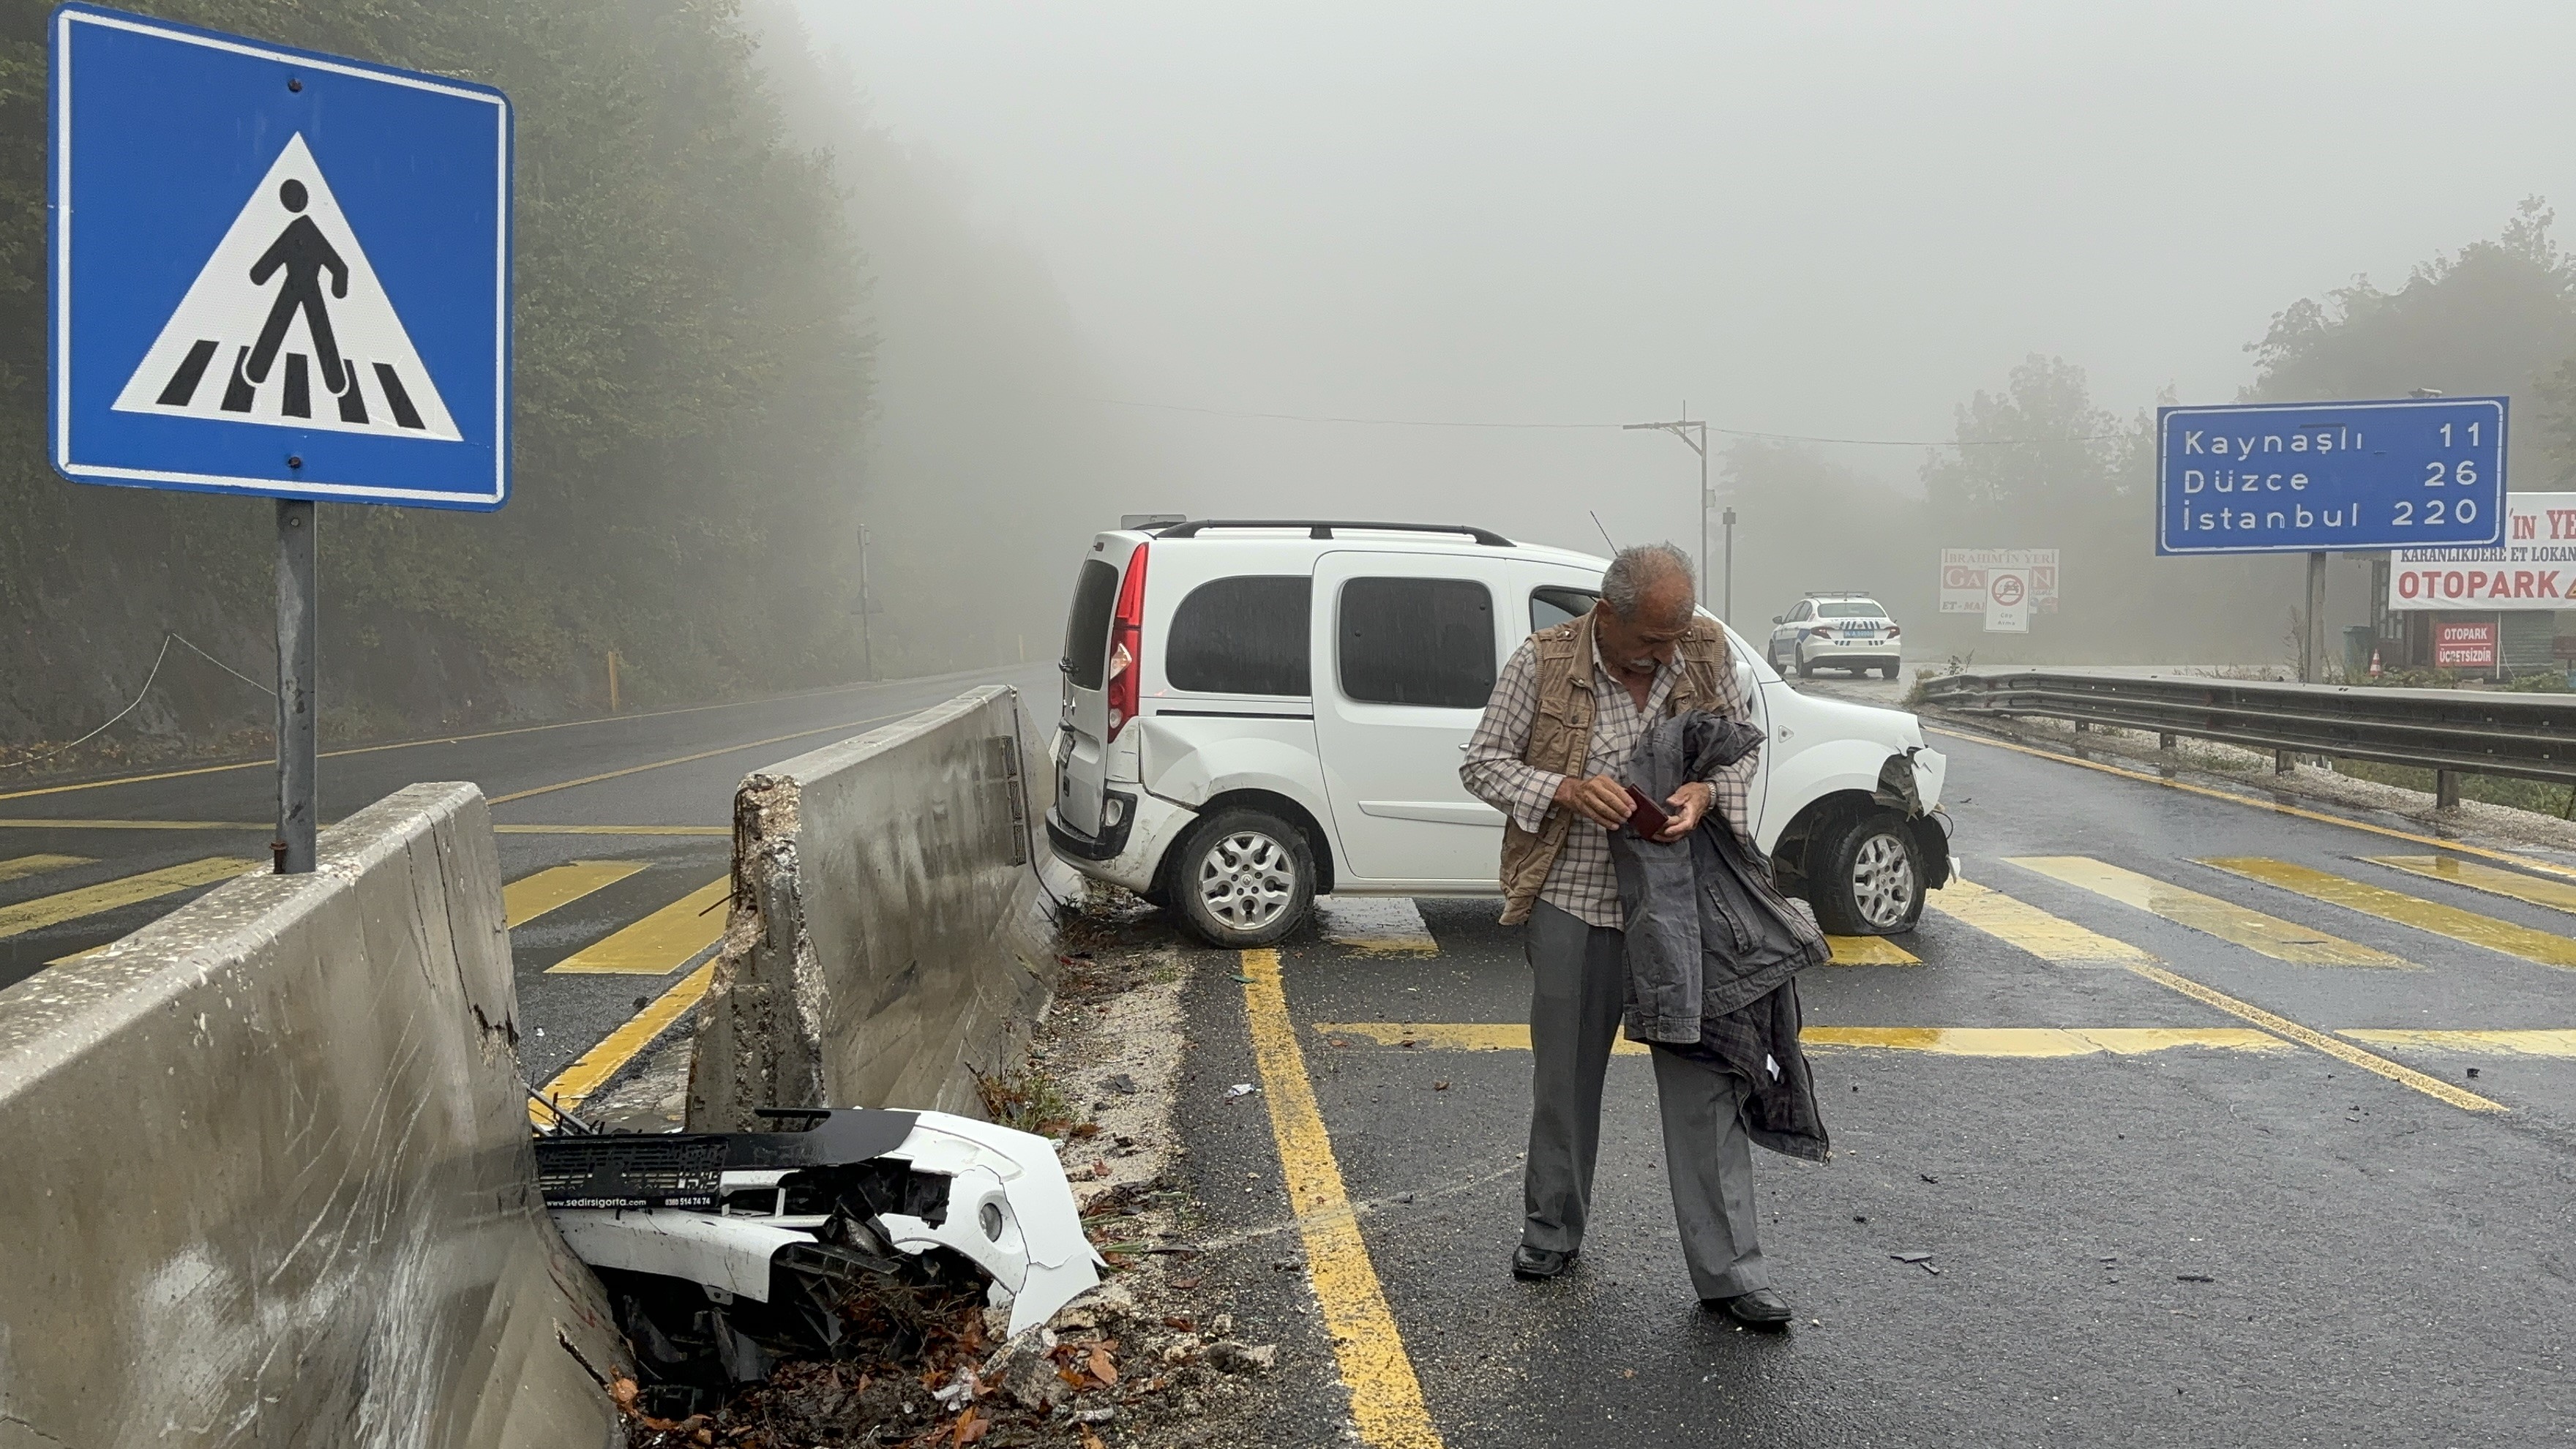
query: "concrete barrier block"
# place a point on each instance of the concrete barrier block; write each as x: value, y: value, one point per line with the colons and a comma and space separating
x: 269, y: 1176
x: 887, y: 938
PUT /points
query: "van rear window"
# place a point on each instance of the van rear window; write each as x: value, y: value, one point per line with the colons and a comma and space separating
x: 1246, y: 635
x: 1417, y: 641
x: 1086, y: 630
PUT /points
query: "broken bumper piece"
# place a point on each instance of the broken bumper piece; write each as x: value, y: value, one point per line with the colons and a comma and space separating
x: 795, y: 1221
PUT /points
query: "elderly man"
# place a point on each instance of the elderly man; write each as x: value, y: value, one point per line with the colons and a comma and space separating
x: 1565, y: 717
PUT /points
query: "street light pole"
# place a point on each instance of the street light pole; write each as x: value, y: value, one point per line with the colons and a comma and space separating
x: 1695, y: 434
x: 867, y: 635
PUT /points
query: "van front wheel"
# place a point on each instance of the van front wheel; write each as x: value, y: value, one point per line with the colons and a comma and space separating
x: 1865, y: 875
x: 1243, y: 878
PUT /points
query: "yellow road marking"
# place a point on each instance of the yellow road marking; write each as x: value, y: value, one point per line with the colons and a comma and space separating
x: 690, y: 759
x: 27, y: 865
x: 1868, y: 951
x: 2554, y: 894
x: 1948, y: 1041
x: 2025, y: 1041
x: 2293, y: 811
x: 1386, y: 1398
x: 2268, y: 935
x: 573, y: 1085
x: 531, y: 896
x: 53, y: 910
x: 2053, y: 939
x: 2341, y: 1051
x: 2484, y: 1043
x: 1391, y: 926
x: 661, y: 942
x: 2542, y: 948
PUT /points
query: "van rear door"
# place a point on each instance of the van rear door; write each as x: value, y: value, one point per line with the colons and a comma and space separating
x: 1082, y: 741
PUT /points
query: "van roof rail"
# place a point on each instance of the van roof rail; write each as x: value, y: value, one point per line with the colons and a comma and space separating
x: 1323, y: 528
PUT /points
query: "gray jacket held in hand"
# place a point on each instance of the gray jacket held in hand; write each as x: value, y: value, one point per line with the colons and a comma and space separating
x: 1707, y: 931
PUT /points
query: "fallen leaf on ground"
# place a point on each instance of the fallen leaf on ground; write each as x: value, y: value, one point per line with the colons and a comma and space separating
x: 1103, y: 1367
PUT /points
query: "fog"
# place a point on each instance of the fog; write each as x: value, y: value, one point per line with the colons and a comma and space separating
x: 1836, y: 221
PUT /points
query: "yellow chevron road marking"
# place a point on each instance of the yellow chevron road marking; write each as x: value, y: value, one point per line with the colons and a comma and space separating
x: 2558, y: 895
x: 2369, y: 1062
x: 53, y: 910
x: 2053, y: 939
x: 2543, y: 948
x: 1868, y: 951
x: 27, y: 865
x: 2267, y: 935
x: 531, y: 896
x: 659, y: 944
x: 574, y: 1084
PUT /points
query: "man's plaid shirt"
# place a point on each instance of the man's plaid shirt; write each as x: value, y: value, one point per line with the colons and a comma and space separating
x: 1581, y: 881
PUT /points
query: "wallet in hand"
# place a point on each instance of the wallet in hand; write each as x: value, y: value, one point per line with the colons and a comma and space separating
x: 1645, y: 816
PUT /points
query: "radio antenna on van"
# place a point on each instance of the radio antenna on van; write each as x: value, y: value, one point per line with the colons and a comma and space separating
x: 1605, y: 531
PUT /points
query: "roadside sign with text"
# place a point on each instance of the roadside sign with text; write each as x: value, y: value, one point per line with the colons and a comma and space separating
x: 274, y: 272
x: 2007, y: 601
x: 2465, y: 645
x: 2336, y: 477
x: 2533, y: 569
x: 1964, y: 577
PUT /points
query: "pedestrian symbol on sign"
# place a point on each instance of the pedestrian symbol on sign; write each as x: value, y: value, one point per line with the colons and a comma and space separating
x: 262, y: 300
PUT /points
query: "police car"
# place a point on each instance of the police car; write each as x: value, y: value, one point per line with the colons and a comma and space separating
x: 1834, y: 631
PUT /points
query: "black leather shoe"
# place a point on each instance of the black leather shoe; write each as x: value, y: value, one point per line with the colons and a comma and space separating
x: 1535, y: 1263
x: 1760, y: 1308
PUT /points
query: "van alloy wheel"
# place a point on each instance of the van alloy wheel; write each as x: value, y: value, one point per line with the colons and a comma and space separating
x: 1247, y: 880
x: 1883, y: 885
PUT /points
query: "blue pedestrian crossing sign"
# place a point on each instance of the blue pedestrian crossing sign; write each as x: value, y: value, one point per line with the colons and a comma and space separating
x: 274, y: 272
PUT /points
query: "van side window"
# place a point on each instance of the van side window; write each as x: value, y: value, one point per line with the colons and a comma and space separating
x: 1424, y: 642
x: 1551, y: 605
x: 1245, y: 635
x: 1086, y: 629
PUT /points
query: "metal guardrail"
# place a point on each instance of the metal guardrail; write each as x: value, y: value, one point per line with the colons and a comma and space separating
x: 2455, y: 731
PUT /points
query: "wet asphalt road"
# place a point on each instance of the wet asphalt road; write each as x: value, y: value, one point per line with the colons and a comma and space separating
x: 667, y: 771
x: 2383, y: 1267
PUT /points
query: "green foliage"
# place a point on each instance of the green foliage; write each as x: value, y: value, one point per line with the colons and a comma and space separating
x: 693, y: 368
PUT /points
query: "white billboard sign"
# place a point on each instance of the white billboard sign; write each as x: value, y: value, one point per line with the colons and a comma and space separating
x: 1965, y: 586
x: 2534, y: 569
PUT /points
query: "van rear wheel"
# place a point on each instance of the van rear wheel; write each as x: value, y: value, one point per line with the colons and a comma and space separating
x: 1242, y: 878
x: 1865, y: 875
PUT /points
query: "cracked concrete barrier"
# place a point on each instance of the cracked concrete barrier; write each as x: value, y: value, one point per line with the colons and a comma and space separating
x: 888, y: 938
x: 268, y: 1174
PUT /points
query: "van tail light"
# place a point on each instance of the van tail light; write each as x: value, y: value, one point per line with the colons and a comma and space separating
x: 1126, y: 642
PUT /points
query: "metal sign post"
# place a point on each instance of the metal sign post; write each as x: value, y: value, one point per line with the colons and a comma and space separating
x: 298, y: 610
x: 290, y: 278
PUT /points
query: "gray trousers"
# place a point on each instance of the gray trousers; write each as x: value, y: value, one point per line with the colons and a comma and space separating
x: 1578, y: 988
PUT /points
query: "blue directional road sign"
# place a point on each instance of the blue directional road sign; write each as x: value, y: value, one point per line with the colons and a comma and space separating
x: 275, y: 272
x: 2339, y: 477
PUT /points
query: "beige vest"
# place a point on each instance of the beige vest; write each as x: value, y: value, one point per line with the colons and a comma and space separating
x: 1560, y: 737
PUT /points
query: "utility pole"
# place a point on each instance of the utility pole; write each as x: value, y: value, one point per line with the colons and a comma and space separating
x: 867, y: 634
x: 1696, y: 435
x: 1727, y: 613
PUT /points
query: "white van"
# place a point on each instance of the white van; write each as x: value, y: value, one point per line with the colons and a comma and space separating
x: 1259, y: 712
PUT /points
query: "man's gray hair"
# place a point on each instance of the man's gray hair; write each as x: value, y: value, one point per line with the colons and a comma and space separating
x: 1637, y: 571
